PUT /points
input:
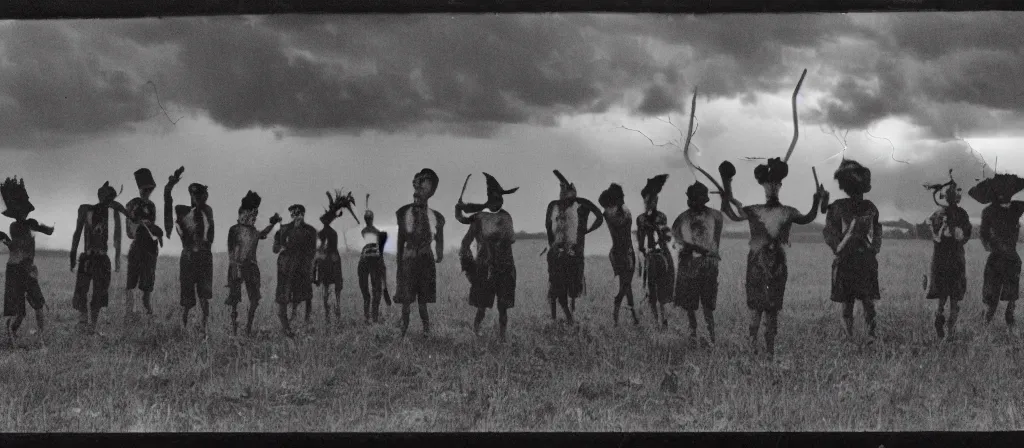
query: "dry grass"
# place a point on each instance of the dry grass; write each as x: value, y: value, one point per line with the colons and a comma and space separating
x: 547, y: 377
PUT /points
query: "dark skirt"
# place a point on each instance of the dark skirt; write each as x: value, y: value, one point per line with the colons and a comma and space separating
x: 948, y: 275
x: 21, y: 286
x: 294, y: 279
x: 855, y: 276
x: 94, y: 270
x: 416, y: 280
x: 659, y: 276
x: 623, y: 262
x: 1002, y: 278
x: 327, y: 269
x: 565, y: 273
x: 697, y: 283
x: 767, y: 274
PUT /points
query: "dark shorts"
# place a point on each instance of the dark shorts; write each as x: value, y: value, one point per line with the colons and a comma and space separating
x: 141, y: 268
x: 855, y: 277
x: 565, y: 274
x: 371, y: 276
x: 659, y: 276
x: 490, y: 282
x: 93, y: 269
x: 417, y: 280
x: 195, y: 276
x: 767, y: 274
x: 623, y: 262
x: 248, y: 274
x: 22, y: 285
x: 697, y: 283
x: 327, y: 270
x: 1002, y: 278
x: 294, y: 280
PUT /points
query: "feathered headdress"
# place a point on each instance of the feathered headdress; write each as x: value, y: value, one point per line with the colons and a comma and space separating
x: 774, y: 170
x: 336, y: 205
x: 654, y: 186
x: 15, y: 196
x: 852, y: 177
x: 612, y: 196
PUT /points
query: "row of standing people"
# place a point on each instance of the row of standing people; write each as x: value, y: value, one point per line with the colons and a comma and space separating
x: 852, y: 231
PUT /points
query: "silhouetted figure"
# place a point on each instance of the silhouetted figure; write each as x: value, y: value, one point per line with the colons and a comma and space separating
x: 327, y: 265
x: 653, y: 236
x: 194, y: 225
x: 1000, y: 229
x: 623, y: 259
x: 492, y: 273
x: 243, y: 267
x: 94, y: 264
x: 951, y: 229
x: 566, y: 225
x: 295, y: 244
x: 854, y: 234
x: 419, y: 228
x: 147, y: 238
x: 698, y: 231
x: 21, y: 282
x: 372, y: 270
x: 770, y: 223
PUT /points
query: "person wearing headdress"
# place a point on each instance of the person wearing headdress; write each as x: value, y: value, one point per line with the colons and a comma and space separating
x: 622, y: 257
x: 999, y: 232
x: 94, y: 263
x: 195, y: 226
x: 698, y: 231
x: 854, y: 234
x: 492, y: 273
x: 327, y: 263
x: 419, y: 227
x: 372, y: 270
x: 243, y: 267
x: 295, y: 243
x: 147, y: 237
x: 770, y: 224
x: 653, y: 236
x: 21, y: 282
x: 566, y: 226
x: 951, y: 229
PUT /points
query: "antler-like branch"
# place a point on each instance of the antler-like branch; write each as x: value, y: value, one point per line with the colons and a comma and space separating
x: 686, y: 146
x: 796, y: 127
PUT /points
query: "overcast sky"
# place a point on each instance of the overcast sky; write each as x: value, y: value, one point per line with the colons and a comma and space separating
x: 291, y: 106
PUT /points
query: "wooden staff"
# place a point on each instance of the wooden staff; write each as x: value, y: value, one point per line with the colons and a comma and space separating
x: 796, y: 127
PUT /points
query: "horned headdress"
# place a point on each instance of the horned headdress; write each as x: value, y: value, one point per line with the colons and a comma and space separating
x: 568, y: 186
x: 15, y: 197
x: 999, y: 188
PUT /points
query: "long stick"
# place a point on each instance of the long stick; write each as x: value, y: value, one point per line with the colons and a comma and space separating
x: 796, y: 127
x: 464, y: 186
x: 686, y: 146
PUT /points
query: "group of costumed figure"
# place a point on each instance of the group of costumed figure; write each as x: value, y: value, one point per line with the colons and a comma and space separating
x: 686, y: 277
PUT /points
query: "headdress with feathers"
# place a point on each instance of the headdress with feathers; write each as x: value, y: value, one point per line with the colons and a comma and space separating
x: 336, y: 206
x: 654, y: 186
x: 15, y: 195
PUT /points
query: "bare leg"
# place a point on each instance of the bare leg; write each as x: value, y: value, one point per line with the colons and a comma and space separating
x: 129, y: 305
x: 146, y: 303
x: 564, y: 302
x: 425, y: 317
x: 1010, y: 306
x: 869, y: 315
x: 755, y: 324
x: 185, y: 310
x: 405, y: 317
x: 234, y: 319
x: 954, y: 311
x: 204, y: 305
x: 691, y: 317
x: 554, y: 308
x: 502, y: 322
x: 848, y: 317
x: 940, y: 318
x: 309, y: 309
x: 709, y: 320
x: 94, y: 317
x: 282, y: 315
x: 629, y: 302
x: 772, y: 324
x: 480, y: 312
x: 337, y: 304
x: 327, y: 305
x: 253, y: 304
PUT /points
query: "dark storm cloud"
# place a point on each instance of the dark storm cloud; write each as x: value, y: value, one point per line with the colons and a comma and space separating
x: 470, y: 75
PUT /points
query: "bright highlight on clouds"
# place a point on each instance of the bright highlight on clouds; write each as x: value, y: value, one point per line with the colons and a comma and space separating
x: 292, y: 106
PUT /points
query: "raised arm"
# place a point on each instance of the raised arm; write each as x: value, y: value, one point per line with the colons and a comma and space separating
x: 35, y: 226
x: 811, y: 215
x: 169, y: 207
x: 266, y: 230
x: 591, y: 208
x: 727, y: 208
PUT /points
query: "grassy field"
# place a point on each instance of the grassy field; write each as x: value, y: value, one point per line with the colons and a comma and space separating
x: 155, y: 377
